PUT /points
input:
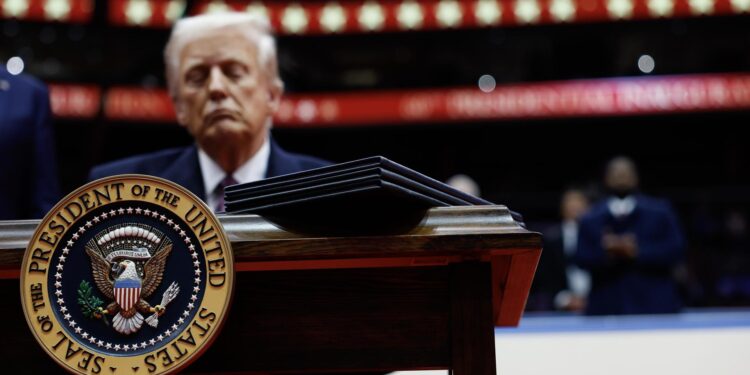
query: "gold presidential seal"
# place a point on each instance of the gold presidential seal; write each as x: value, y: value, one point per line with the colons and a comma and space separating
x: 128, y: 274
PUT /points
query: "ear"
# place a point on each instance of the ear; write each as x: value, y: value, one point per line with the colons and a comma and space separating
x: 275, y: 91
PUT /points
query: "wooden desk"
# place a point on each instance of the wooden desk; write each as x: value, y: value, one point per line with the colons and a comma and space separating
x: 426, y: 299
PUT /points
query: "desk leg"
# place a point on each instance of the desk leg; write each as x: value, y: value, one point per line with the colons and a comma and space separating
x: 472, y: 328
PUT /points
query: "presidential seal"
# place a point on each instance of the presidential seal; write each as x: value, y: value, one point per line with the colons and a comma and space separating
x: 127, y: 275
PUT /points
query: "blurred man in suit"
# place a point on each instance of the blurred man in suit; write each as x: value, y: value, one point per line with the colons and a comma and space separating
x: 28, y: 168
x: 559, y: 284
x: 222, y: 75
x: 630, y: 243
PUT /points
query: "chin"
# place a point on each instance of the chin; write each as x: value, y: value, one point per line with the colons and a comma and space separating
x: 226, y: 133
x: 225, y: 127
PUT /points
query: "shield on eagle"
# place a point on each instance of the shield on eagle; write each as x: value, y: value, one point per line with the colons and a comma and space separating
x: 127, y: 293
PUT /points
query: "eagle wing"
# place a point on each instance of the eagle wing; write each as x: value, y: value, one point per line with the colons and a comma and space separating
x: 154, y: 271
x: 100, y: 271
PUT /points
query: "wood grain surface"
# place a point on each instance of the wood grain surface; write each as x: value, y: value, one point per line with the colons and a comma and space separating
x: 423, y: 299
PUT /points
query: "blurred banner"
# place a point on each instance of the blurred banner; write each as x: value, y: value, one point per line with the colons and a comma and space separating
x: 584, y: 98
x: 75, y: 101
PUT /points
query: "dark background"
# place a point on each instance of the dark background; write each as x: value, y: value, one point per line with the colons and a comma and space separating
x: 699, y: 161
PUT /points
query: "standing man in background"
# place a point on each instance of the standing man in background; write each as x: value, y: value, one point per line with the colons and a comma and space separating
x: 630, y: 243
x: 28, y: 167
x: 222, y: 75
x: 559, y: 283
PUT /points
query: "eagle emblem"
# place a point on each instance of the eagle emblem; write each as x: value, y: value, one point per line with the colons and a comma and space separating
x: 128, y: 277
x: 128, y: 274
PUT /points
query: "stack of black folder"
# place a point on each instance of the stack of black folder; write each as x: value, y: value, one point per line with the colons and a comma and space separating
x: 371, y: 195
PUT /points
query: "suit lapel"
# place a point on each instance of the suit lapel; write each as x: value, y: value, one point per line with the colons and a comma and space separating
x: 280, y: 162
x: 186, y: 171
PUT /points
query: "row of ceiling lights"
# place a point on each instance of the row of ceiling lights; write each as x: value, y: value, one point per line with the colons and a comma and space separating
x: 298, y: 17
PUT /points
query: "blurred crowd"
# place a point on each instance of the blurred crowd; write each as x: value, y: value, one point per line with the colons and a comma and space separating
x: 599, y: 260
x: 617, y: 250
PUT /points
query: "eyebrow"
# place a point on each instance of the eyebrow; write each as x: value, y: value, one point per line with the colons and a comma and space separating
x: 202, y: 63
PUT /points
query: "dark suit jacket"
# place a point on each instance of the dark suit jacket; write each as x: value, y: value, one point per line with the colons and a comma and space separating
x: 28, y: 169
x: 181, y: 165
x: 644, y: 285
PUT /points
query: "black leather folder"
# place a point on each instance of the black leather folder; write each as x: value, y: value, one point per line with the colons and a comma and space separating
x: 376, y: 166
x: 366, y: 196
x: 367, y: 178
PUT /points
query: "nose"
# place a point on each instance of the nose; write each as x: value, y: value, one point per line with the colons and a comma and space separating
x: 217, y: 85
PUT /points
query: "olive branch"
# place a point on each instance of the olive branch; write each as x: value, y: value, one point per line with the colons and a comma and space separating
x: 90, y: 303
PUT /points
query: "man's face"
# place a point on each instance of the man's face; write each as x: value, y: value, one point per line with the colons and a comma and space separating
x: 574, y: 205
x: 621, y: 176
x: 224, y: 94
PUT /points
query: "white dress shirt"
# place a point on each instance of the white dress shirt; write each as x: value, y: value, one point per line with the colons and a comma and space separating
x: 621, y: 207
x: 252, y: 170
x: 579, y: 280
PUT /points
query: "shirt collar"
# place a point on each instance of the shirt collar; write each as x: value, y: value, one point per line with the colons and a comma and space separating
x: 253, y: 169
x: 620, y: 207
x: 570, y: 225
